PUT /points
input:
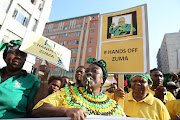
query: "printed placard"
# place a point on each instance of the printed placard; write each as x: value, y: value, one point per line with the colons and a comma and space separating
x: 47, y: 49
x: 123, y: 40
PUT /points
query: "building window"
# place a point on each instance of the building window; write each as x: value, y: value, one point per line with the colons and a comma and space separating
x: 85, y: 27
x: 92, y: 32
x: 74, y: 50
x: 82, y: 50
x: 64, y: 35
x: 71, y: 69
x: 91, y: 40
x: 93, y: 24
x: 61, y: 24
x: 80, y: 60
x: 78, y: 26
x: 73, y: 60
x: 90, y: 50
x: 77, y: 33
x: 41, y: 5
x: 21, y: 16
x: 66, y: 27
x: 50, y: 26
x: 75, y: 42
x: 72, y: 34
x: 63, y: 43
x: 92, y: 17
x: 84, y: 32
x: 5, y: 4
x: 55, y: 29
x: 53, y: 37
x: 34, y: 25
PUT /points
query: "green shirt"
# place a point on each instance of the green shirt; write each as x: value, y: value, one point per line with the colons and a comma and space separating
x: 126, y: 30
x: 16, y: 93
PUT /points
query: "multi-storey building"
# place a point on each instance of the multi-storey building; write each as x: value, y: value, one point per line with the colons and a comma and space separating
x: 78, y: 34
x: 167, y: 57
x: 18, y: 18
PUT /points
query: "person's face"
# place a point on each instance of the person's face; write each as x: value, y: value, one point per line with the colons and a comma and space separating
x: 95, y: 74
x: 113, y: 88
x: 121, y: 22
x: 80, y: 72
x: 157, y: 78
x: 15, y: 59
x: 65, y: 82
x: 139, y: 85
x: 54, y: 86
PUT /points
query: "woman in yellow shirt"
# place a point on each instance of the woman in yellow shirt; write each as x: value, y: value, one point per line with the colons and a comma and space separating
x: 78, y: 102
x: 141, y: 104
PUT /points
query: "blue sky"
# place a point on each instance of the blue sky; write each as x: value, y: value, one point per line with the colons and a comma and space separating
x: 163, y: 16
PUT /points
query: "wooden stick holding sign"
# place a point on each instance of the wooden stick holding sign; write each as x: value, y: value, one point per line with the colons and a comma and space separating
x: 121, y: 84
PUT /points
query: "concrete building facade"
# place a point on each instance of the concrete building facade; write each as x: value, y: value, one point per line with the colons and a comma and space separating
x: 19, y: 18
x: 167, y: 57
x: 79, y: 34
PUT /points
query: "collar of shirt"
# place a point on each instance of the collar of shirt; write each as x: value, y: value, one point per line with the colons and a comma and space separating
x: 148, y: 99
x: 23, y: 72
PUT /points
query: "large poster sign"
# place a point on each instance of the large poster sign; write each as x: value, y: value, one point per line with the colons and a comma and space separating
x: 47, y: 49
x: 123, y: 41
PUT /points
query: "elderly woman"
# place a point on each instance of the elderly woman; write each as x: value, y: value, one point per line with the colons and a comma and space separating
x: 17, y: 87
x: 78, y: 102
x: 141, y: 104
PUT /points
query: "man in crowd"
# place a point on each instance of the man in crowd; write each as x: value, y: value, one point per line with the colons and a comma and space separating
x: 157, y: 89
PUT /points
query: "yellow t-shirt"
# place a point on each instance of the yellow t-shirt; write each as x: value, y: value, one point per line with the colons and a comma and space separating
x: 167, y: 97
x: 150, y: 107
x: 72, y: 97
x: 173, y: 107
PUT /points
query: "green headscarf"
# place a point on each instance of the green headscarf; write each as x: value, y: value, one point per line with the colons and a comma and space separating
x: 101, y: 63
x: 13, y: 44
x: 146, y: 76
x: 10, y: 44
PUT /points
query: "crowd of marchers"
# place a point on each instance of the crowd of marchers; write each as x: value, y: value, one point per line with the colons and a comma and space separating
x: 23, y: 95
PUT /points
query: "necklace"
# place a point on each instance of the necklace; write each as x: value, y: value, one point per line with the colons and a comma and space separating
x: 92, y: 104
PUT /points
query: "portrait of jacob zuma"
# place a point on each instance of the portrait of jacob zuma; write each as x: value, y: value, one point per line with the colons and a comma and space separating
x: 122, y: 25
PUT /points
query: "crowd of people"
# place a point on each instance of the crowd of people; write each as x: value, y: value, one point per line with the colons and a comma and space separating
x: 24, y: 95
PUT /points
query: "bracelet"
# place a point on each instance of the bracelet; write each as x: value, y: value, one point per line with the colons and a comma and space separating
x: 44, y: 81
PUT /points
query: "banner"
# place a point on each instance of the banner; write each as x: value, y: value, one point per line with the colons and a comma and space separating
x: 123, y: 41
x: 47, y: 49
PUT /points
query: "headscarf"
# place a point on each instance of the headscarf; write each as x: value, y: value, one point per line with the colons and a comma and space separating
x: 146, y: 76
x: 13, y: 44
x: 101, y: 63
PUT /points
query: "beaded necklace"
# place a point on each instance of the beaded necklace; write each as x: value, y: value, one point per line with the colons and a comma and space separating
x: 92, y: 104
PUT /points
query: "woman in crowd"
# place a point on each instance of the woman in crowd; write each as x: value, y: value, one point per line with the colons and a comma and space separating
x: 17, y: 87
x: 78, y: 102
x: 141, y: 104
x: 54, y: 84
